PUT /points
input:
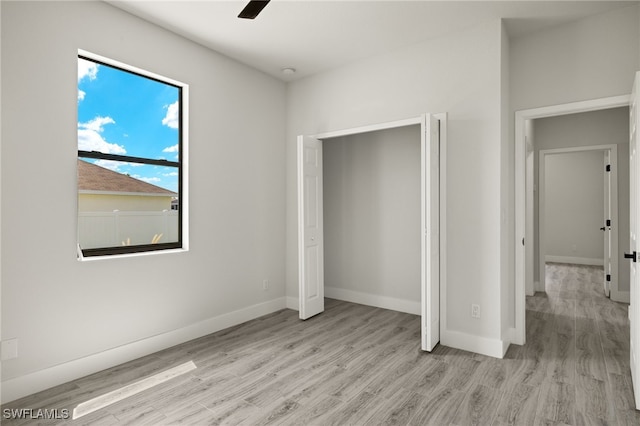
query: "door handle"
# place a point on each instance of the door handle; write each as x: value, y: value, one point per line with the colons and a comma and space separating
x: 602, y: 229
x: 631, y: 256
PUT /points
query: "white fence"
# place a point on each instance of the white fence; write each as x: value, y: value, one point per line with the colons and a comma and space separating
x: 110, y: 229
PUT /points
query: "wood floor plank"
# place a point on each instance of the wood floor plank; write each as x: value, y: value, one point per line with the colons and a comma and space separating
x: 315, y: 410
x: 518, y: 406
x: 557, y: 403
x: 361, y: 365
x: 593, y: 400
x: 589, y: 356
x: 396, y: 411
x: 479, y: 406
x: 439, y: 408
x: 493, y: 373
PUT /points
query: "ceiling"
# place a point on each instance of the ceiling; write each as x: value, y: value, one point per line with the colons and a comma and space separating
x: 314, y: 36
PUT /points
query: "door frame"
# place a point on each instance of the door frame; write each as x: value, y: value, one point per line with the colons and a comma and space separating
x: 442, y: 117
x: 523, y: 211
x: 612, y: 149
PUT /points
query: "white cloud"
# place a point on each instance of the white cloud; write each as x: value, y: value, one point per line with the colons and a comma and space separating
x: 170, y: 174
x: 81, y: 94
x: 90, y: 139
x: 173, y: 148
x: 147, y: 179
x: 96, y: 124
x: 87, y: 69
x: 171, y: 119
x: 109, y: 164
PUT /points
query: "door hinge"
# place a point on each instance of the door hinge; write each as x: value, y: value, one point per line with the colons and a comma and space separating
x: 608, y: 168
x: 608, y: 277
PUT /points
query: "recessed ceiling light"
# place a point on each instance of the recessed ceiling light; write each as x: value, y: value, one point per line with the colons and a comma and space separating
x: 288, y: 71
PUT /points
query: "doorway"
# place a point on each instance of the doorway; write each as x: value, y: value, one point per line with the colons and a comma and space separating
x: 523, y: 195
x: 311, y: 226
x: 578, y: 211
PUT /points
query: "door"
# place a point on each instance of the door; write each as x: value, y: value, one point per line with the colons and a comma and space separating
x: 606, y: 227
x: 634, y: 308
x: 430, y: 150
x: 310, y: 227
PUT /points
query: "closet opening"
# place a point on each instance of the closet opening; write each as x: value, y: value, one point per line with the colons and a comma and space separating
x: 369, y: 219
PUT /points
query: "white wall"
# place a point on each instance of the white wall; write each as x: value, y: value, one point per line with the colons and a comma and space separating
x: 461, y: 75
x: 587, y: 59
x: 574, y: 200
x: 610, y: 126
x: 372, y: 216
x: 71, y: 317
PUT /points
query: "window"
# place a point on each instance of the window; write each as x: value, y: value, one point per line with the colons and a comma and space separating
x: 131, y: 144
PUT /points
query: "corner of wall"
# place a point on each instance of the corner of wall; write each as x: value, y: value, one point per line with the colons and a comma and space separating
x: 495, y: 348
x: 507, y: 191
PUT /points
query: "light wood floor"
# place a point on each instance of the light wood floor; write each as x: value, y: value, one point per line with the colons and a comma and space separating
x: 360, y: 365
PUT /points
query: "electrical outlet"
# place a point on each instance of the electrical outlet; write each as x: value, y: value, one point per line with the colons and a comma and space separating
x: 9, y: 349
x: 475, y: 311
x: 265, y: 285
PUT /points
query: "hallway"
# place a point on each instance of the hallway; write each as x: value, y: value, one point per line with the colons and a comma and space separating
x: 581, y: 340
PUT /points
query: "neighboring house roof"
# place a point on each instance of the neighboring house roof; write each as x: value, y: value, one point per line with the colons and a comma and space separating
x: 93, y: 178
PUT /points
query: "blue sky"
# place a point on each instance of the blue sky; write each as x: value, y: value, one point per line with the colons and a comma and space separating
x: 123, y: 113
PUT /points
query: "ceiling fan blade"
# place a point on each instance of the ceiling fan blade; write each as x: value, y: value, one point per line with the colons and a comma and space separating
x: 252, y: 9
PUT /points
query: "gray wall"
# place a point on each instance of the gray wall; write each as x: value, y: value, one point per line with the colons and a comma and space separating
x: 372, y: 213
x: 574, y: 200
x: 610, y: 126
x: 63, y: 310
x: 459, y: 74
x: 573, y: 62
x: 465, y: 74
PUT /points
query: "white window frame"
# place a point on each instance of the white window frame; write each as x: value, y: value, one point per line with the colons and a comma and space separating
x: 184, y: 163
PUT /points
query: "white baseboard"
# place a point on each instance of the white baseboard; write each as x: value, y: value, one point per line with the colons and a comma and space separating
x: 28, y: 384
x: 385, y: 302
x: 508, y: 338
x: 621, y: 296
x: 536, y: 287
x: 574, y: 260
x: 293, y: 303
x: 468, y: 342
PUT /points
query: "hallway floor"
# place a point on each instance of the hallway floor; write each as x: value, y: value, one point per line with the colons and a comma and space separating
x: 580, y: 338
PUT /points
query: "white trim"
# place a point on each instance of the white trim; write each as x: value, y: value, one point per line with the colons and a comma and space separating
x: 442, y: 117
x: 574, y: 260
x: 507, y: 338
x: 520, y: 191
x: 385, y: 302
x: 292, y: 303
x: 131, y: 68
x: 82, y: 258
x: 621, y: 296
x: 37, y: 381
x: 536, y: 287
x: 468, y: 342
x: 184, y: 129
x: 369, y: 128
